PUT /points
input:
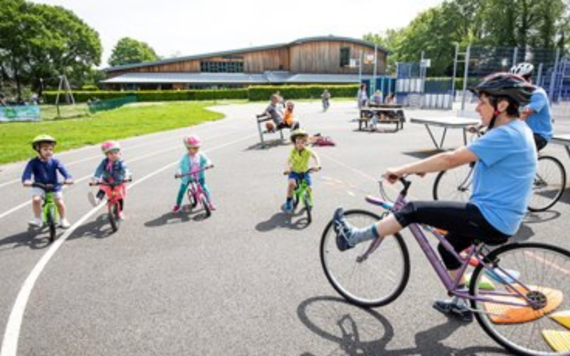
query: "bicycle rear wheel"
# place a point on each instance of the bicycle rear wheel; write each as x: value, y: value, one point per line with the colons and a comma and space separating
x: 374, y: 282
x: 548, y: 185
x: 526, y: 330
x: 454, y: 184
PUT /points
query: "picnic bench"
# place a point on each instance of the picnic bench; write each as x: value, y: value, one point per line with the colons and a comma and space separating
x: 261, y: 119
x: 386, y: 113
x: 446, y: 123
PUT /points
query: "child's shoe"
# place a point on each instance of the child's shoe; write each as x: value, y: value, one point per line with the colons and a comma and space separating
x: 212, y: 207
x: 121, y: 216
x: 93, y: 199
x: 176, y: 208
x: 288, y: 206
x: 64, y: 223
x: 36, y: 222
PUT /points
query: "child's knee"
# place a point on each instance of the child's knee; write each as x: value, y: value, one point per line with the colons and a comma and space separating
x: 292, y: 183
x: 37, y: 199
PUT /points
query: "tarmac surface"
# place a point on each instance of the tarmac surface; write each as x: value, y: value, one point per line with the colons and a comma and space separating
x: 247, y: 280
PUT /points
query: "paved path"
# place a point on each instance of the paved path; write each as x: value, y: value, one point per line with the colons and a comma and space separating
x: 246, y: 281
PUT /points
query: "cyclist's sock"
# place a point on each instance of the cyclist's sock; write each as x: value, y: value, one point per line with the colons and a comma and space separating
x: 364, y: 234
x: 122, y: 204
x: 289, y: 199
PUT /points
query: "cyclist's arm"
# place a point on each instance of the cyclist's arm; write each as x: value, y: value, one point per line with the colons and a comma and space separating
x: 317, y: 159
x: 27, y: 175
x: 537, y: 103
x: 437, y: 163
x: 66, y: 176
x: 99, y: 171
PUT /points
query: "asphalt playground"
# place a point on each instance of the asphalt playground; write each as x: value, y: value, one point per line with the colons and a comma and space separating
x: 245, y: 281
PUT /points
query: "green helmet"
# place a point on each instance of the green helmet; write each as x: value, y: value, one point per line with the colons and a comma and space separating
x: 298, y: 133
x: 38, y: 140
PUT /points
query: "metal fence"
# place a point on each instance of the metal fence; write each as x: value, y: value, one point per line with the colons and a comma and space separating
x: 415, y: 89
x: 110, y: 104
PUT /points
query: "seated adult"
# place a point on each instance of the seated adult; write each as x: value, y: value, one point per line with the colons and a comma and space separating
x: 274, y: 112
x: 377, y: 97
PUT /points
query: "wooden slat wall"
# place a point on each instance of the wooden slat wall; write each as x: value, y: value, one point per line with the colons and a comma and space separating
x: 324, y: 57
x: 312, y: 57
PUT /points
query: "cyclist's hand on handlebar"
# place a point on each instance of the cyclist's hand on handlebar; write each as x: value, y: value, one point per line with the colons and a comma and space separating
x: 392, y: 175
x: 177, y: 175
x: 68, y: 182
x: 28, y: 183
x: 286, y: 172
x: 421, y: 174
x: 316, y: 169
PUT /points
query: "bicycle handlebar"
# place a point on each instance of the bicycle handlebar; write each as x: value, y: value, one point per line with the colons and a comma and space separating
x: 193, y: 172
x: 110, y: 184
x: 49, y: 187
x: 310, y: 170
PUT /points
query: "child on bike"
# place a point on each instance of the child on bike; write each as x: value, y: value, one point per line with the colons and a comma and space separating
x: 298, y: 165
x: 44, y: 170
x: 191, y: 161
x: 111, y: 170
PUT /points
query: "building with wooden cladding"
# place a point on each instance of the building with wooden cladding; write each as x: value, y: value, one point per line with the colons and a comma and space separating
x: 315, y: 60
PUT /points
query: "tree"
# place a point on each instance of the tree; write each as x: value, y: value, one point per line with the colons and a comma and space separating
x: 390, y: 40
x: 129, y: 51
x: 41, y: 42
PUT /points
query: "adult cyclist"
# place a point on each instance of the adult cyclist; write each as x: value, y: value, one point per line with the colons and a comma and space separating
x: 537, y: 112
x: 502, y: 185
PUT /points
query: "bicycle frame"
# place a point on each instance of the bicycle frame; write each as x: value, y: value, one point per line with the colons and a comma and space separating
x: 474, y: 252
x: 194, y: 186
x: 301, y: 188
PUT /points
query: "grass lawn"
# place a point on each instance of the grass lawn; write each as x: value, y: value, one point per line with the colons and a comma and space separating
x: 128, y: 121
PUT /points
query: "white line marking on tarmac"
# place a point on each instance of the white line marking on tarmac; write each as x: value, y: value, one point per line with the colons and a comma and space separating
x: 82, y: 179
x: 12, y: 333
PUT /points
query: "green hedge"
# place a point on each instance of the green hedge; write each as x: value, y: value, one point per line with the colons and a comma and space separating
x: 255, y: 93
x: 156, y: 95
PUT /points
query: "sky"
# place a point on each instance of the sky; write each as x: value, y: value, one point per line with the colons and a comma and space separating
x: 189, y: 27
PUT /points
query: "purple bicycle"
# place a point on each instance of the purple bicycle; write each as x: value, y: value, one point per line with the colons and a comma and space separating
x: 196, y: 193
x: 519, y: 292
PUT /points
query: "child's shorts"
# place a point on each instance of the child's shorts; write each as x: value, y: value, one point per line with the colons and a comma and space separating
x: 40, y: 192
x: 298, y: 176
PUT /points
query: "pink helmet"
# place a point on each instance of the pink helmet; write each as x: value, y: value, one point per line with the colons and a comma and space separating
x: 192, y: 141
x: 108, y: 146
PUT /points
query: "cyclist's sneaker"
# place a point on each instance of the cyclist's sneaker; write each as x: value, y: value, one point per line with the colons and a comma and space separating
x: 36, y: 222
x: 93, y: 199
x: 176, y: 208
x: 121, y: 216
x: 342, y: 229
x: 455, y: 306
x: 288, y: 207
x: 64, y: 224
x: 212, y: 207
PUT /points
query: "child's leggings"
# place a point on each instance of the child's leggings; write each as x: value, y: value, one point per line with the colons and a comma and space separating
x: 184, y: 188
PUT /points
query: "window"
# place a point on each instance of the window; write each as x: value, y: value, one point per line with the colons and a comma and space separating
x: 345, y: 57
x: 221, y: 67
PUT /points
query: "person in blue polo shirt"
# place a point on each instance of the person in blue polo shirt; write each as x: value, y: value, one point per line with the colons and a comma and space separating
x: 537, y: 112
x: 43, y: 169
x: 505, y: 164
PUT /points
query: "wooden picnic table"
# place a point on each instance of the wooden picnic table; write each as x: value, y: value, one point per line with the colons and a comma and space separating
x: 367, y: 112
x: 446, y: 123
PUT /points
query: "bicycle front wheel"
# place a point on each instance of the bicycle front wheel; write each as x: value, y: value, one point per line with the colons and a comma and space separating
x: 525, y: 272
x: 454, y: 184
x: 374, y: 282
x: 548, y: 185
x: 114, y: 217
x: 308, y: 202
x: 51, y: 216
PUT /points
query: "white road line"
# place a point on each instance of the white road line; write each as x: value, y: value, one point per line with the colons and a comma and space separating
x: 82, y: 179
x: 12, y: 332
x: 128, y: 148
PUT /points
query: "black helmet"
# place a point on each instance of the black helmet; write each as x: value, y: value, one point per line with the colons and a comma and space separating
x: 505, y: 85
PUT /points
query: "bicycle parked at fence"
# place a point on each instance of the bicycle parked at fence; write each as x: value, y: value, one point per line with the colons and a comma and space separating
x: 115, y: 194
x: 548, y: 185
x: 519, y: 293
x: 303, y: 193
x: 196, y: 194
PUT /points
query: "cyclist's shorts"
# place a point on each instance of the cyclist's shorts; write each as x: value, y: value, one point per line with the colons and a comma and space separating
x: 297, y: 176
x: 40, y: 192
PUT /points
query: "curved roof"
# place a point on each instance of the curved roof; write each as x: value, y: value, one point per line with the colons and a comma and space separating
x: 250, y: 49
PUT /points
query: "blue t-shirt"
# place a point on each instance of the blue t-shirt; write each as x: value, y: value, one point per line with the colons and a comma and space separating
x: 504, y: 174
x: 45, y: 172
x: 540, y: 122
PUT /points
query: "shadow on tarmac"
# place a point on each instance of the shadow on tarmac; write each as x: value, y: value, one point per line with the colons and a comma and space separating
x: 337, y: 321
x: 284, y: 220
x: 36, y: 239
x: 183, y: 216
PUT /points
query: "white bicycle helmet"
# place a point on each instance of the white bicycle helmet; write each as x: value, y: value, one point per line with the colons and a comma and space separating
x: 523, y: 69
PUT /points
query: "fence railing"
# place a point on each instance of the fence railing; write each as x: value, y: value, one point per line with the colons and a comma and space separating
x: 103, y: 105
